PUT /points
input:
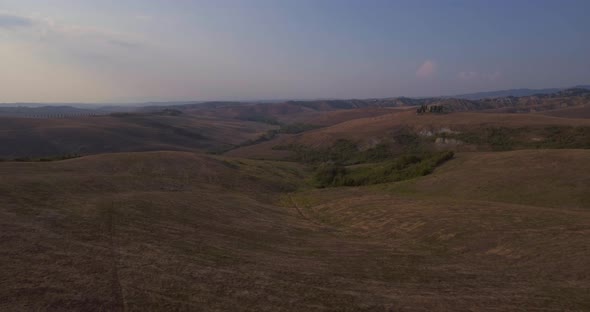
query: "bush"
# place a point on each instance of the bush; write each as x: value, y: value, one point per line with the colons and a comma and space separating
x: 401, y: 168
x: 261, y: 118
x: 328, y: 174
x: 47, y: 158
x: 296, y: 128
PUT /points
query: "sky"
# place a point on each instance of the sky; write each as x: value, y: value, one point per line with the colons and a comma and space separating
x: 165, y: 50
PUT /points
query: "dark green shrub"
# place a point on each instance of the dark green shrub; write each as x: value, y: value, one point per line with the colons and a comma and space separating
x: 328, y: 174
x: 46, y: 158
x: 401, y: 168
x: 296, y: 128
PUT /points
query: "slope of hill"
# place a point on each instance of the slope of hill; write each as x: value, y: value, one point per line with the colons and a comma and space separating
x: 512, y: 93
x: 457, y: 131
x: 549, y: 178
x: 510, y: 213
x: 46, y: 111
x: 183, y: 231
x: 299, y: 111
x: 505, y: 93
x: 521, y: 104
x: 34, y: 137
x: 220, y: 126
x: 582, y: 111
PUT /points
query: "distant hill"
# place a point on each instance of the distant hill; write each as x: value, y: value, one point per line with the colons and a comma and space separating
x: 523, y: 104
x: 505, y: 93
x: 406, y: 130
x: 219, y: 126
x: 46, y: 111
x: 254, y: 109
x: 121, y: 132
x: 512, y: 92
x: 59, y: 110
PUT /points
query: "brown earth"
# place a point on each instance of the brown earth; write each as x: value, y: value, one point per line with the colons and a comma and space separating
x: 183, y: 231
x: 571, y: 112
x: 31, y: 137
x: 376, y: 129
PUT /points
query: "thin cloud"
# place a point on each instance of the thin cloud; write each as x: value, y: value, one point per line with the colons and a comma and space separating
x: 426, y: 70
x: 9, y: 21
x: 468, y: 75
x: 51, y: 31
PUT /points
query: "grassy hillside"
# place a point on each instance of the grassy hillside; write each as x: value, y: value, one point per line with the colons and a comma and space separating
x: 514, y: 220
x: 223, y: 126
x: 521, y: 103
x: 344, y: 205
x: 166, y: 230
x: 28, y: 137
x: 454, y: 131
x: 295, y: 111
x: 550, y: 178
x: 377, y: 127
x: 183, y: 231
x: 582, y: 111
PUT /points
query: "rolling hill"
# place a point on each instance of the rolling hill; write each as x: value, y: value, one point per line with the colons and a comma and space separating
x: 41, y: 137
x: 466, y: 131
x: 222, y: 126
x: 513, y: 93
x: 239, y: 206
x: 185, y: 231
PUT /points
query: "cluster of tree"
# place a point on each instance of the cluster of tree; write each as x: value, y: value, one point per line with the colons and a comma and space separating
x: 295, y: 128
x: 261, y: 118
x: 39, y: 159
x: 430, y: 109
x: 398, y: 169
x: 348, y: 152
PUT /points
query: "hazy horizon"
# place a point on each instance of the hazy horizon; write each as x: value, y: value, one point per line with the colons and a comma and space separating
x: 163, y: 101
x: 150, y: 51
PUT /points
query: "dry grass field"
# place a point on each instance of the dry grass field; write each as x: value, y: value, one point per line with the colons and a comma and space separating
x: 375, y: 127
x: 189, y: 232
x: 294, y: 156
x: 33, y: 137
x: 582, y: 111
x: 329, y: 118
x: 527, y: 128
x: 150, y: 220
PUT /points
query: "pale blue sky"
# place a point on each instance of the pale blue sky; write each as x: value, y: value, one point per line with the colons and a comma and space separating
x: 139, y: 50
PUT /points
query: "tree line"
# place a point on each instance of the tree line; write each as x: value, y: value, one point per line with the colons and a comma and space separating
x: 430, y: 109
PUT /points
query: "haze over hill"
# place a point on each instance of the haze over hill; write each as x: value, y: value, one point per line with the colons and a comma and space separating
x: 513, y: 92
x: 218, y: 126
x: 110, y: 106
